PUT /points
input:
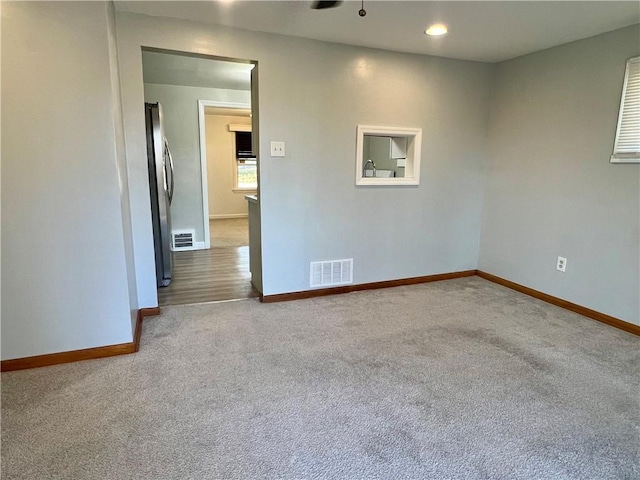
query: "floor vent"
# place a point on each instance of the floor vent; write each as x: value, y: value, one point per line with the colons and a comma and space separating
x: 333, y: 272
x: 182, y: 239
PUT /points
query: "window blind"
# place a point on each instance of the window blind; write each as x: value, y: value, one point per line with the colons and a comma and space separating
x: 627, y: 143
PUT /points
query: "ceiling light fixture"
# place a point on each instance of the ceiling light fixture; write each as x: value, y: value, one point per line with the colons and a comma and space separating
x: 362, y: 11
x: 436, y: 30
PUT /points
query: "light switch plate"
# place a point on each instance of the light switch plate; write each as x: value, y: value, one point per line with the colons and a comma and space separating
x: 277, y: 149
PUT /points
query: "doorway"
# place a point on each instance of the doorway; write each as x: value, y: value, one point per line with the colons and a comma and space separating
x: 197, y: 93
x: 227, y: 156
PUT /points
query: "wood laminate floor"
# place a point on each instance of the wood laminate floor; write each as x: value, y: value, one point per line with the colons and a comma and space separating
x: 220, y: 273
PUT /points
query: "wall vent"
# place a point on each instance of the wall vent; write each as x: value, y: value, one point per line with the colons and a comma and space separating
x: 332, y: 272
x: 182, y: 239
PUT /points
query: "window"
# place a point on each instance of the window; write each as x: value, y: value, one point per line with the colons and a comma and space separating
x: 246, y: 174
x: 245, y: 167
x: 388, y: 155
x: 626, y: 148
x: 244, y: 145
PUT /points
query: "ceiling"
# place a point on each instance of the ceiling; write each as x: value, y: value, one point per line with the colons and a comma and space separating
x: 478, y: 30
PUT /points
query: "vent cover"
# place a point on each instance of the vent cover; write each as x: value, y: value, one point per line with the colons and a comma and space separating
x: 182, y: 239
x: 333, y: 272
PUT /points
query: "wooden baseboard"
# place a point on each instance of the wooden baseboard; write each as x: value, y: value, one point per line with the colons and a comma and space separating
x: 150, y: 311
x: 587, y: 312
x: 321, y: 292
x: 84, y: 354
x: 142, y: 313
x: 584, y: 311
x: 132, y: 347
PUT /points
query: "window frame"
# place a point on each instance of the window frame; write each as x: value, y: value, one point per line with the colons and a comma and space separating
x: 240, y: 161
x: 412, y: 161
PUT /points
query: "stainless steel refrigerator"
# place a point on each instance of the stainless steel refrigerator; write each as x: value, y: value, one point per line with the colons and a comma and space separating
x: 161, y: 186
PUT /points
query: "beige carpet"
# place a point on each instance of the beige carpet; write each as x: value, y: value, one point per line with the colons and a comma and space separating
x: 461, y: 379
x: 229, y: 232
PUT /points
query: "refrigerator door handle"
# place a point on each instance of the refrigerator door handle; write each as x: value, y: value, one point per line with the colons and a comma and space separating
x: 171, y: 186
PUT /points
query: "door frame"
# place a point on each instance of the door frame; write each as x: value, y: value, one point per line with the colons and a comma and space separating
x: 203, y: 157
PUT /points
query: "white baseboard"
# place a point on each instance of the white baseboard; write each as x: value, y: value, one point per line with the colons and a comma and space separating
x: 229, y: 215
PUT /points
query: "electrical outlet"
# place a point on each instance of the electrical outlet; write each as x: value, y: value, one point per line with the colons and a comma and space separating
x: 277, y: 149
x: 561, y: 264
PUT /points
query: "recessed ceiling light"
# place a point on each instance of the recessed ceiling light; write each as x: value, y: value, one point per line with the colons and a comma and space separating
x: 436, y: 30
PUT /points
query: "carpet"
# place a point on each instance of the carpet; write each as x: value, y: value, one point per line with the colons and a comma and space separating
x: 459, y: 379
x: 229, y: 232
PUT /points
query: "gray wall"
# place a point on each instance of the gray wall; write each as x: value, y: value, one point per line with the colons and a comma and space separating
x: 312, y: 96
x: 66, y: 191
x: 180, y: 109
x: 311, y: 209
x: 551, y: 190
x: 121, y: 159
x: 63, y: 237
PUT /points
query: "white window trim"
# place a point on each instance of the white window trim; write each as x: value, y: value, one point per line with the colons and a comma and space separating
x: 414, y: 154
x: 629, y: 113
x: 245, y: 191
